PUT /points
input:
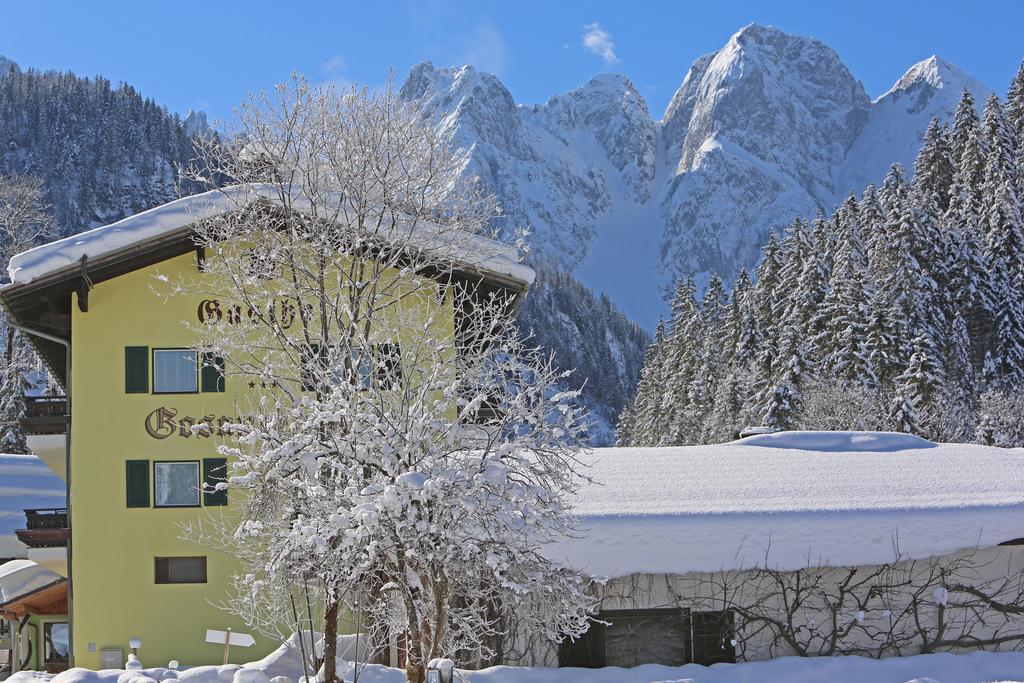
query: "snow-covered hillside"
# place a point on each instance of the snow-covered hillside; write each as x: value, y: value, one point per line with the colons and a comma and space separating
x: 769, y: 127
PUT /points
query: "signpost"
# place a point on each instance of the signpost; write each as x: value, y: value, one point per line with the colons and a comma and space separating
x: 227, y: 639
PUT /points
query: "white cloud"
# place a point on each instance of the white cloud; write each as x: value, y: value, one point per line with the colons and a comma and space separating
x: 483, y: 47
x: 334, y: 65
x: 599, y: 42
x: 334, y: 71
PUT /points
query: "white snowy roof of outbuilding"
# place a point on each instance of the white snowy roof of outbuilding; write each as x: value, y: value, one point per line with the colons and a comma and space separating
x: 790, y: 500
x: 21, y: 577
x: 488, y: 256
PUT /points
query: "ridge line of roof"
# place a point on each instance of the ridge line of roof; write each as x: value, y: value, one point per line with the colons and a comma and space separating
x: 178, y: 214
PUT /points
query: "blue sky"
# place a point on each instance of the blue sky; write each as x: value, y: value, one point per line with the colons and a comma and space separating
x: 208, y: 55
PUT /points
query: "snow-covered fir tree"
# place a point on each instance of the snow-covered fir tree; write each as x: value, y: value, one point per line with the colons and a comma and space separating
x: 102, y: 152
x: 586, y: 332
x: 25, y: 222
x: 903, y: 310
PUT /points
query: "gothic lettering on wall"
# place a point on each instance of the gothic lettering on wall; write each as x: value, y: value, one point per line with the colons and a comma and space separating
x: 213, y: 312
x: 163, y: 423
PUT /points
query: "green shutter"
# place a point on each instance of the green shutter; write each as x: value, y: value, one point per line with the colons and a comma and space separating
x: 137, y: 478
x: 136, y: 369
x: 215, y: 470
x: 212, y: 373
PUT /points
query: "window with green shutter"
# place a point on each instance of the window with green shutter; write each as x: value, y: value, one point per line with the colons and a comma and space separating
x: 137, y: 479
x: 212, y: 373
x: 136, y: 369
x: 215, y: 471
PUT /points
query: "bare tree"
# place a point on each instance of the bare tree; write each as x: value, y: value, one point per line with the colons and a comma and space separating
x: 403, y: 455
x: 973, y: 599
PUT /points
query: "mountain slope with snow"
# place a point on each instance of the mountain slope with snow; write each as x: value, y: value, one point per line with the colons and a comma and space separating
x: 897, y: 119
x: 769, y: 127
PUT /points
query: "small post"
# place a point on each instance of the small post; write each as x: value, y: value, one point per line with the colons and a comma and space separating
x: 227, y: 644
x: 15, y: 647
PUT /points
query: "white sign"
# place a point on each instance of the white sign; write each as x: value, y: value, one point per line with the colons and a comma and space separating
x: 229, y: 638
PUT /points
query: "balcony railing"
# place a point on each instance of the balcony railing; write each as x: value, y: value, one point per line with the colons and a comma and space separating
x: 45, y: 415
x: 45, y: 528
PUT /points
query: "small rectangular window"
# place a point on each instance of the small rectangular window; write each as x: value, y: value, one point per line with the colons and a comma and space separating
x: 388, y: 366
x: 314, y: 358
x: 323, y: 363
x: 176, y: 484
x: 55, y: 643
x: 175, y: 371
x: 361, y: 371
x: 180, y: 570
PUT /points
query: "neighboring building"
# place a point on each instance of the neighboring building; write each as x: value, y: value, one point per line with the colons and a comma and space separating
x: 804, y: 543
x: 26, y: 484
x: 135, y: 468
x: 34, y: 630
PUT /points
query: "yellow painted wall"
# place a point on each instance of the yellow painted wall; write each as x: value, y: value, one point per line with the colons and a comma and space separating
x: 115, y: 598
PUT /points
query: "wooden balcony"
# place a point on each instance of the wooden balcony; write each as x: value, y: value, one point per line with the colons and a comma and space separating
x: 45, y: 415
x: 45, y: 528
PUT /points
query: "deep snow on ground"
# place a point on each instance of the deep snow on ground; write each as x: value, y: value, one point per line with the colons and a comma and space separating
x: 976, y: 667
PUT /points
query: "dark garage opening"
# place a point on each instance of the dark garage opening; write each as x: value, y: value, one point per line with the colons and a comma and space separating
x: 672, y: 637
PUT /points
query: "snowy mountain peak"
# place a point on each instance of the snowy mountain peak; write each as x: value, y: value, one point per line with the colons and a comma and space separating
x: 6, y: 65
x: 768, y: 127
x: 937, y: 73
x: 897, y: 121
x: 196, y: 124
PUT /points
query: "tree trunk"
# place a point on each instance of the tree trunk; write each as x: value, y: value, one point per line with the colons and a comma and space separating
x: 415, y: 672
x: 331, y: 641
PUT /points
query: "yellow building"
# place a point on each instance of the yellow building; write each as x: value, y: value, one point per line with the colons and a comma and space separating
x: 121, y: 439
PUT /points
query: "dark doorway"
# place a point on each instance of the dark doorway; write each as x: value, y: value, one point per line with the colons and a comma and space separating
x: 711, y: 637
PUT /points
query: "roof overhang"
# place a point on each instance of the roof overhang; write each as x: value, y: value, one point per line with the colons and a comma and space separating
x: 51, y: 599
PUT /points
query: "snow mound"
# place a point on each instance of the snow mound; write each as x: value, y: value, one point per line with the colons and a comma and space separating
x: 947, y: 668
x: 871, y: 442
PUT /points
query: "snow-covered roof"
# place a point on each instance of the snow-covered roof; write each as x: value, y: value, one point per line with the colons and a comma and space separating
x: 25, y: 482
x: 489, y: 256
x: 21, y: 577
x: 790, y: 499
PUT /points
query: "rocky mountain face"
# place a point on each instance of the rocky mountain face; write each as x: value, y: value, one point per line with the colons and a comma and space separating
x: 769, y: 127
x: 8, y: 65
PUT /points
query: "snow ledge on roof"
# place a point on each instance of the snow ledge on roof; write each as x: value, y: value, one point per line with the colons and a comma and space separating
x: 790, y: 500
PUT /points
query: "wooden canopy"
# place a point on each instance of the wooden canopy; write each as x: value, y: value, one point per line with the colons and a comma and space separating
x: 48, y: 600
